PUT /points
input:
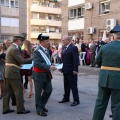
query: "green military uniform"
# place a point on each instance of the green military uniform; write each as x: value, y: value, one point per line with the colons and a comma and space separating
x: 109, y: 80
x: 13, y: 78
x: 42, y: 80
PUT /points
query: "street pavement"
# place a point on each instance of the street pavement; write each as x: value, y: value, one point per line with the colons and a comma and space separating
x: 88, y: 88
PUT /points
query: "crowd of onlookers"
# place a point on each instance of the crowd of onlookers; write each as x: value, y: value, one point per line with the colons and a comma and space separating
x: 90, y: 48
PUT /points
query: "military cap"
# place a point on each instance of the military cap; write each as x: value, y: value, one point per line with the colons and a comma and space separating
x: 42, y: 37
x: 115, y: 29
x: 19, y: 37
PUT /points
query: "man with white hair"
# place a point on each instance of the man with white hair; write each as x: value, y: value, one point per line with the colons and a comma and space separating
x: 70, y: 60
x: 109, y: 78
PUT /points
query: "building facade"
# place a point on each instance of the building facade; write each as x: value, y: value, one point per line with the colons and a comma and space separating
x: 89, y: 18
x: 12, y: 18
x: 44, y: 16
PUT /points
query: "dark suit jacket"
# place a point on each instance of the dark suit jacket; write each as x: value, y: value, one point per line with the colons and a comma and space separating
x: 70, y: 60
x: 99, y: 44
x: 40, y: 63
x: 109, y: 55
x: 13, y: 56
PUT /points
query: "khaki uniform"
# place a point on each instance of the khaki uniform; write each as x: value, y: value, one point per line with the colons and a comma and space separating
x: 13, y: 78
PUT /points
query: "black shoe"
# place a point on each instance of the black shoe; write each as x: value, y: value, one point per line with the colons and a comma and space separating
x: 110, y: 115
x: 24, y: 112
x: 42, y: 113
x: 63, y: 101
x: 75, y: 103
x: 45, y: 110
x: 8, y: 111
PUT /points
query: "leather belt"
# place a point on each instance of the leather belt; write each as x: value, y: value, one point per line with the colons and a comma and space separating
x: 10, y: 64
x: 110, y: 68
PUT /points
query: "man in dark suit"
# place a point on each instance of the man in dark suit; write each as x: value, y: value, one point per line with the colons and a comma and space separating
x: 13, y: 78
x: 109, y: 78
x: 99, y: 43
x: 70, y: 60
x: 42, y: 75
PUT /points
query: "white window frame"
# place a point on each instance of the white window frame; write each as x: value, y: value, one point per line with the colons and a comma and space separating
x: 36, y: 16
x: 7, y: 3
x: 74, y: 16
x: 35, y: 29
x: 104, y: 11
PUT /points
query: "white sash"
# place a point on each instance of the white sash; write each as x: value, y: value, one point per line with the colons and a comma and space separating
x: 45, y: 57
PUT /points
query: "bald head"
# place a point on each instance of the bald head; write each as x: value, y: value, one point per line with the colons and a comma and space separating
x: 66, y: 40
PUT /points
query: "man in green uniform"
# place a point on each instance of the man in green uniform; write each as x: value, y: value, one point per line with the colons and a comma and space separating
x: 109, y: 78
x: 13, y: 78
x: 42, y: 75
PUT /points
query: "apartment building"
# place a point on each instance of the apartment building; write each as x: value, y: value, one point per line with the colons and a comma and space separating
x: 12, y: 18
x: 44, y: 16
x: 76, y: 18
x: 89, y: 18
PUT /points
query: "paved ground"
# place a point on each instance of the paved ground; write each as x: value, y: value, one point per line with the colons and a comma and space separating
x: 87, y: 84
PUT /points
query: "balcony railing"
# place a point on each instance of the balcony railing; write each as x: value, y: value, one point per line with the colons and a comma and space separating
x: 45, y: 22
x: 52, y: 35
x: 44, y: 9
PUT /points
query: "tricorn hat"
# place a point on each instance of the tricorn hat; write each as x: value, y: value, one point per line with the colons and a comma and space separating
x: 115, y: 29
x: 42, y: 37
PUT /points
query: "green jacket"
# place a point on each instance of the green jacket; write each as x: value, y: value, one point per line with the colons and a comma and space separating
x: 40, y: 63
x: 109, y: 55
x: 13, y: 56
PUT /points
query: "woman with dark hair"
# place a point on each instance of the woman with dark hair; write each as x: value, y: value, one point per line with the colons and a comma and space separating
x: 26, y: 53
x: 2, y: 66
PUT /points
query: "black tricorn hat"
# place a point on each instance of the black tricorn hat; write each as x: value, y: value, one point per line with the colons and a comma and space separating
x: 42, y: 37
x: 115, y: 29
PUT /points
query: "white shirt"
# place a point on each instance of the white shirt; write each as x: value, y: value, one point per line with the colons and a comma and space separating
x: 43, y: 48
x: 16, y: 45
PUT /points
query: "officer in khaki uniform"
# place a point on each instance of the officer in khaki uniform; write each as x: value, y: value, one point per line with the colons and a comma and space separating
x: 12, y: 76
x: 109, y: 78
x: 42, y: 75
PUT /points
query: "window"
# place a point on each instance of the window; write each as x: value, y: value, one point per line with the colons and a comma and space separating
x: 4, y: 37
x: 7, y: 3
x: 1, y: 2
x: 35, y: 29
x: 76, y: 13
x: 10, y: 3
x: 16, y: 3
x: 104, y: 7
x: 81, y: 12
x: 35, y: 3
x: 36, y: 16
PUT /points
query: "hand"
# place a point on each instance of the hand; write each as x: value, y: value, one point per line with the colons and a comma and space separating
x: 52, y: 68
x: 74, y: 73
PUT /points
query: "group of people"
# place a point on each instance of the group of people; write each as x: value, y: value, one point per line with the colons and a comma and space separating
x: 107, y: 58
x: 16, y: 55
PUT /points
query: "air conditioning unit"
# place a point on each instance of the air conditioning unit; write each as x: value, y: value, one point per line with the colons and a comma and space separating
x: 90, y: 30
x: 88, y: 6
x: 110, y: 24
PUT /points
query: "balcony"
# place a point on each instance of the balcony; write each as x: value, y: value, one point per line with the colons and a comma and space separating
x: 43, y: 9
x: 9, y: 30
x: 52, y: 35
x: 13, y: 12
x: 45, y: 22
